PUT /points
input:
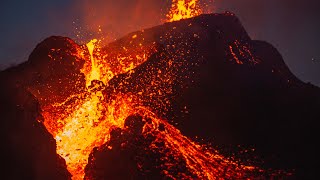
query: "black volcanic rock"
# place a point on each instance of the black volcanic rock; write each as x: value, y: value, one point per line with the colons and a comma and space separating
x: 28, y: 150
x: 127, y: 155
x: 53, y: 67
x: 208, y: 78
x: 259, y: 102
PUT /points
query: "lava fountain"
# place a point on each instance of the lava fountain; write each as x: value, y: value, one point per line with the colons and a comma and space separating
x: 183, y: 9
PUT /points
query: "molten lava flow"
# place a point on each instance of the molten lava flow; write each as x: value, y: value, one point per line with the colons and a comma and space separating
x: 183, y: 9
x: 84, y: 120
x: 95, y: 71
x: 88, y: 127
x: 202, y: 163
x: 240, y: 51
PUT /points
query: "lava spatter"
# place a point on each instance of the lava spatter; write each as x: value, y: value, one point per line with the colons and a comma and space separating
x: 85, y: 120
x: 88, y: 123
x: 183, y: 9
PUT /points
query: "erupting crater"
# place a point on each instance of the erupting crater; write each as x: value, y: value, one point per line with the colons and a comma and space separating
x: 131, y: 109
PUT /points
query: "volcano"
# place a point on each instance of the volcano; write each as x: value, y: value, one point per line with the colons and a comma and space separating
x: 136, y: 108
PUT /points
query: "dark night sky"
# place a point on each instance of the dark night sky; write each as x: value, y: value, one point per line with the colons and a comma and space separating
x: 292, y: 26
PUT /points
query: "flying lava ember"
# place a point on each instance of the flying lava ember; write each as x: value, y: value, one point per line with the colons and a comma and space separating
x: 84, y: 120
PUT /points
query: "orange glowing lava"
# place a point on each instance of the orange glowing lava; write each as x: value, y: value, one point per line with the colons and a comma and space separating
x: 88, y: 119
x: 95, y: 71
x: 85, y: 120
x: 183, y: 9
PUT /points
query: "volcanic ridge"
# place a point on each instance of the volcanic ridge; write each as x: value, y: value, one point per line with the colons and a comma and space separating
x: 189, y: 99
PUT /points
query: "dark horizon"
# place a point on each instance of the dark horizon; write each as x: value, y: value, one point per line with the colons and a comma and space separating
x: 289, y: 26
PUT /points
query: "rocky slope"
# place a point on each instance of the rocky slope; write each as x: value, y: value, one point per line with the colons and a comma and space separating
x: 206, y: 76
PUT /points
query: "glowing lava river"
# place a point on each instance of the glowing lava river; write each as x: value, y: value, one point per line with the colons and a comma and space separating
x: 84, y: 120
x: 90, y: 120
